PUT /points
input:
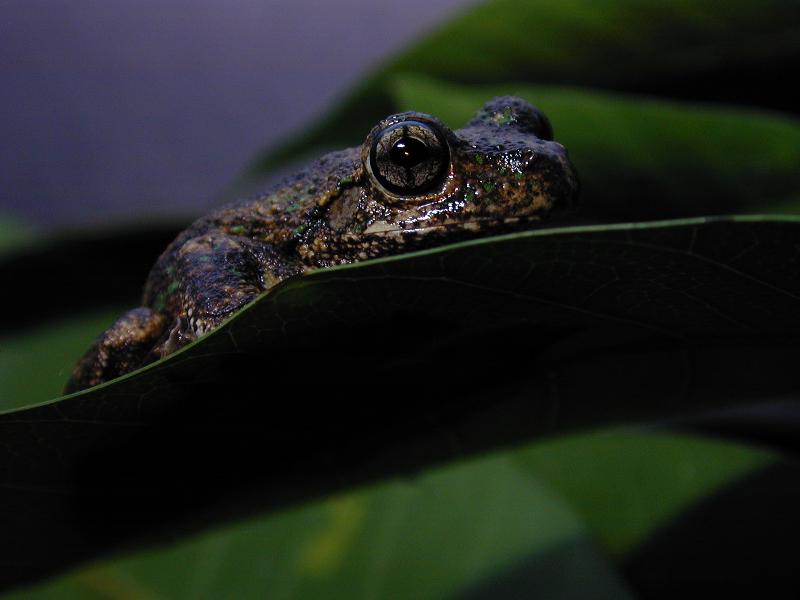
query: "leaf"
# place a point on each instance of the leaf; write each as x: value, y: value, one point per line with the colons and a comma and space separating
x: 736, y: 53
x: 738, y: 543
x: 641, y: 158
x: 499, y: 526
x: 626, y: 485
x: 384, y: 367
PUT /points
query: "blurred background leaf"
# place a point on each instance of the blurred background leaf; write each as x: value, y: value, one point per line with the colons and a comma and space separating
x: 566, y: 512
x: 689, y: 49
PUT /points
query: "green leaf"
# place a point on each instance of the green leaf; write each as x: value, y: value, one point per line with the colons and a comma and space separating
x: 737, y: 544
x: 464, y: 347
x: 738, y: 52
x: 641, y: 158
x: 626, y: 485
x: 499, y: 527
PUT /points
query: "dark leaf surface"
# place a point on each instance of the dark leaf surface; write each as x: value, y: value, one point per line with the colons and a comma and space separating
x: 369, y: 370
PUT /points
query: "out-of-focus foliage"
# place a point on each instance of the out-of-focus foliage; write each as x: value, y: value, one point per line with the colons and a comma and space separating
x: 696, y: 50
x: 551, y: 511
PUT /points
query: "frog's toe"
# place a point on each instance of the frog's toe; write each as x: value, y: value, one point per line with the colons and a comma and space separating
x: 174, y: 338
x: 122, y: 348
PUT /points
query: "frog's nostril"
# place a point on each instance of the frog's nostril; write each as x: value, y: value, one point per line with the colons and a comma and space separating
x: 532, y: 120
x: 544, y: 130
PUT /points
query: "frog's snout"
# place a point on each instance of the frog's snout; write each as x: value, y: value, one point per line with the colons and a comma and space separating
x: 525, y: 177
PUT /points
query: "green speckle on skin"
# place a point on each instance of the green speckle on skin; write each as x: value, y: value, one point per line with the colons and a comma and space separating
x: 479, y: 159
x: 293, y: 207
x: 518, y: 175
x: 346, y: 180
x: 489, y: 186
x: 470, y: 196
x: 159, y: 302
x: 172, y: 287
x: 300, y: 229
x: 237, y: 229
x: 503, y: 118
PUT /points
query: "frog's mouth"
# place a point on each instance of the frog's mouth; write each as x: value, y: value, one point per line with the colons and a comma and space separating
x: 473, y: 226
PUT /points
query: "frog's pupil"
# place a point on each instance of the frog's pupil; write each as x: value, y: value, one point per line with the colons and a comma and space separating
x: 408, y: 152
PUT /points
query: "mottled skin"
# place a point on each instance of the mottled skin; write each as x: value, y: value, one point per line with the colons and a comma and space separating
x: 499, y: 173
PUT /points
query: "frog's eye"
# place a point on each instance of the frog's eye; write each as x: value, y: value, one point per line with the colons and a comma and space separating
x: 410, y: 157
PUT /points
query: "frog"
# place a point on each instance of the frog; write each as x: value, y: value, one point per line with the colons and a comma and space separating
x: 413, y: 184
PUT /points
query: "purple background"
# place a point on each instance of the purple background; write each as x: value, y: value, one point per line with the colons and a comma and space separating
x: 118, y: 109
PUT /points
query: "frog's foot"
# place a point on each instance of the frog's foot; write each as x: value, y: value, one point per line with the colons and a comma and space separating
x: 123, y: 347
x: 178, y: 337
x: 174, y: 338
x: 213, y: 276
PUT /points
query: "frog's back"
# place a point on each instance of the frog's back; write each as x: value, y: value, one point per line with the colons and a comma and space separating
x: 275, y: 217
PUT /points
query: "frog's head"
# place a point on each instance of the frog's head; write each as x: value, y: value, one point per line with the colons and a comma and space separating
x: 421, y: 184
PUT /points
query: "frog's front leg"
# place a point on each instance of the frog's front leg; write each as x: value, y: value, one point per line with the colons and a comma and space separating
x: 212, y: 276
x: 191, y: 290
x: 120, y: 349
